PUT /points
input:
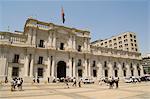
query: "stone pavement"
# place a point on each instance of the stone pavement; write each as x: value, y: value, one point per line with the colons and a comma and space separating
x: 87, y: 91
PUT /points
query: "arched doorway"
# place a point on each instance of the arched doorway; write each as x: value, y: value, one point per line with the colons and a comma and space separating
x: 61, y: 69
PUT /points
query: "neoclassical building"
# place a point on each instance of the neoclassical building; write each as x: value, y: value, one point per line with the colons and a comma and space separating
x: 48, y: 50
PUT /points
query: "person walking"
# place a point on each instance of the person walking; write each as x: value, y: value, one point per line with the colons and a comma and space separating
x: 34, y: 80
x: 21, y: 83
x: 74, y: 82
x: 79, y: 83
x: 48, y: 79
x: 66, y: 81
x: 12, y: 85
x: 38, y: 80
x: 117, y: 82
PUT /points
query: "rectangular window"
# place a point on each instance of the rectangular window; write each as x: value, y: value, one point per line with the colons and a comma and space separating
x: 79, y: 62
x: 16, y: 58
x: 40, y: 61
x: 79, y: 48
x: 134, y: 36
x: 120, y: 42
x: 139, y: 73
x: 15, y: 72
x: 124, y: 73
x: 110, y: 41
x: 61, y: 46
x: 41, y: 43
x: 106, y: 73
x: 80, y: 73
x: 125, y: 36
x: 105, y: 64
x: 116, y: 73
x: 114, y: 39
x: 40, y: 72
x: 115, y: 43
x: 132, y: 73
x: 132, y: 44
x: 94, y: 73
x: 119, y: 38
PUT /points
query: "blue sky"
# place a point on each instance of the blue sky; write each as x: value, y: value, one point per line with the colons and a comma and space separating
x: 103, y: 18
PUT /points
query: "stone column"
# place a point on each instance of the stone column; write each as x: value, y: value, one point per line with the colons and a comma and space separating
x: 128, y: 71
x: 86, y: 68
x: 110, y: 71
x: 120, y: 71
x: 74, y: 43
x: 34, y: 37
x: 74, y: 68
x: 135, y: 70
x: 89, y: 68
x: 142, y: 71
x: 29, y: 39
x: 26, y: 65
x: 48, y: 67
x: 84, y: 45
x: 54, y: 40
x: 3, y: 67
x: 70, y: 68
x: 70, y: 42
x: 88, y: 45
x: 100, y: 70
x: 53, y: 67
x: 31, y: 66
x: 50, y: 39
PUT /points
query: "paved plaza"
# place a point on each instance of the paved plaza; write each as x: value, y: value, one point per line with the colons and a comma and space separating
x: 87, y: 91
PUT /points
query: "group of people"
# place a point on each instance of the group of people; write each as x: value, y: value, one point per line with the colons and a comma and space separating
x: 16, y: 82
x: 74, y: 83
x: 112, y: 81
x: 36, y: 80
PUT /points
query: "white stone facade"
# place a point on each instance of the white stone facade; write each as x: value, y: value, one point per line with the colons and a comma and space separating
x: 48, y: 50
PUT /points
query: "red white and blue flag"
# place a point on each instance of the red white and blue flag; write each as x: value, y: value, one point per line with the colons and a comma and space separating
x: 63, y: 15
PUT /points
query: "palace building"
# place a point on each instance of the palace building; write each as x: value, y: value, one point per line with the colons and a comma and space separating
x: 46, y: 50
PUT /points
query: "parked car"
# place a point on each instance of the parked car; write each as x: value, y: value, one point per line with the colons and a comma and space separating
x: 88, y: 81
x: 128, y: 80
x: 145, y: 78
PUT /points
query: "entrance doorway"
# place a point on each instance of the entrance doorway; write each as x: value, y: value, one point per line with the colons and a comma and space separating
x: 15, y: 72
x: 61, y: 69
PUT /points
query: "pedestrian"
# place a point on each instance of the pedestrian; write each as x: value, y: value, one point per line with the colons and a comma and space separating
x: 117, y: 81
x: 111, y: 82
x: 21, y: 83
x: 79, y: 83
x: 74, y: 82
x: 33, y: 79
x: 38, y: 80
x: 12, y: 85
x: 66, y: 81
x: 48, y: 79
x: 6, y: 80
x: 15, y: 83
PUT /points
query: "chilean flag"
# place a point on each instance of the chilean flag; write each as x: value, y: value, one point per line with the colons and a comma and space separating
x: 63, y: 15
